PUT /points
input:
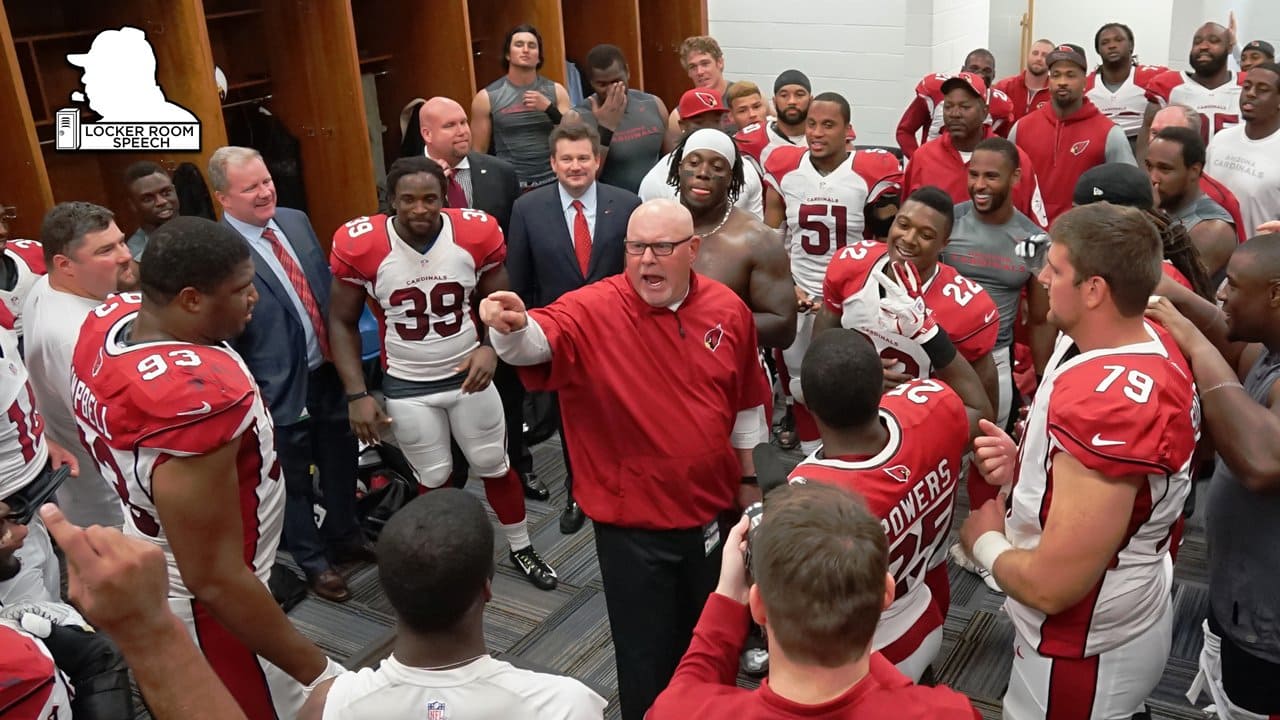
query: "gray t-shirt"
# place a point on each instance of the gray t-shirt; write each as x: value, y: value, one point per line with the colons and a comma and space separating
x: 1000, y: 258
x: 1243, y: 531
x: 520, y: 134
x: 636, y: 143
x: 1204, y: 208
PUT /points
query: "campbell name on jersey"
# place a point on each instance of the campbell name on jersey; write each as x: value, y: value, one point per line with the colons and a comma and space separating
x: 138, y: 405
x: 424, y: 299
x: 23, y: 452
x: 26, y: 259
x: 1130, y: 412
x: 825, y: 212
x: 960, y: 306
x: 910, y: 485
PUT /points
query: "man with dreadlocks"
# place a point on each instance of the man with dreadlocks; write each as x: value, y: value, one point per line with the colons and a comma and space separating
x: 737, y: 249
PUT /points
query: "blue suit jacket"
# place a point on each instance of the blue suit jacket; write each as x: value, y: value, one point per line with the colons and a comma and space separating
x: 273, y: 344
x: 540, y: 258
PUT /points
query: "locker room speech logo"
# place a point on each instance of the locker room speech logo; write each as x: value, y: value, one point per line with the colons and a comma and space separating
x: 119, y: 81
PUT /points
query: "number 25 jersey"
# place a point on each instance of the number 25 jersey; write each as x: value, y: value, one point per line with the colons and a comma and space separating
x: 424, y: 299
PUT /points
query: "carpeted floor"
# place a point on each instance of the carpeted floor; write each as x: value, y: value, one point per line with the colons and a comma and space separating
x: 567, y: 630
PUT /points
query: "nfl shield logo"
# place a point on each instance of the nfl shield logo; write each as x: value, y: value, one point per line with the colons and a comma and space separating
x: 436, y: 711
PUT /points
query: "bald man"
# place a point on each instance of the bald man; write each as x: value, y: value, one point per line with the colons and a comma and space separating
x: 476, y: 180
x: 661, y: 391
x: 1211, y: 87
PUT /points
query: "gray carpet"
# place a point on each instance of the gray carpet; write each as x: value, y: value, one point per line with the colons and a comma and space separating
x: 567, y: 630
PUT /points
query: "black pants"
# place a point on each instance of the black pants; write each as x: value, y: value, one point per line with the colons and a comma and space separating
x: 324, y: 440
x: 655, y: 584
x: 1249, y: 681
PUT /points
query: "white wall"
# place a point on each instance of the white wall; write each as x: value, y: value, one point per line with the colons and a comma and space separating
x: 1076, y: 21
x: 1005, y: 32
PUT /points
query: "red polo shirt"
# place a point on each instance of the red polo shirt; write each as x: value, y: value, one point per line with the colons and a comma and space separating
x: 649, y: 397
x: 937, y: 162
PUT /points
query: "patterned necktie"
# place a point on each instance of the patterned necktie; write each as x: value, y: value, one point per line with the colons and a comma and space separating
x: 300, y: 285
x: 456, y: 195
x: 581, y: 238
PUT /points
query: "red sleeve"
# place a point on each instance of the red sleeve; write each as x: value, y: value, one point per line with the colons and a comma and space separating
x: 911, y: 176
x: 880, y: 170
x: 358, y: 248
x: 479, y: 234
x: 914, y: 119
x: 1026, y: 194
x: 31, y: 252
x: 1144, y: 74
x: 6, y: 317
x: 1121, y: 415
x: 566, y: 323
x: 1000, y: 109
x: 848, y: 271
x: 1161, y: 85
x: 28, y: 675
x: 973, y: 326
x: 712, y: 656
x: 780, y: 162
x: 752, y: 140
x: 1222, y: 195
x: 194, y: 410
x: 1176, y: 275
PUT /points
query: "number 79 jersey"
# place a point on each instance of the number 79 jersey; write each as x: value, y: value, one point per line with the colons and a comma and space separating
x: 910, y: 486
x: 825, y: 212
x: 424, y: 299
x: 1130, y: 411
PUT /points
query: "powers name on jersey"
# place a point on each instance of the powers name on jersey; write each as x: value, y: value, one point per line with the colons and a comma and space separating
x: 962, y: 307
x: 424, y: 299
x: 137, y: 405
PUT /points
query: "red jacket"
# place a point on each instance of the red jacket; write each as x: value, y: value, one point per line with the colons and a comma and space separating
x: 1062, y: 149
x: 937, y: 162
x: 1024, y: 101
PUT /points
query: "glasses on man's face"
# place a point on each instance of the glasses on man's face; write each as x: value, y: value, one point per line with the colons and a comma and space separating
x: 661, y: 249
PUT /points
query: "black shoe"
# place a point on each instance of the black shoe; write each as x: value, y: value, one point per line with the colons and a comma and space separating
x: 571, y: 519
x: 527, y: 561
x: 785, y: 431
x: 534, y: 489
x: 355, y: 553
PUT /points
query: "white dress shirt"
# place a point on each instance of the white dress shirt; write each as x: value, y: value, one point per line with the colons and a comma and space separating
x: 588, y: 201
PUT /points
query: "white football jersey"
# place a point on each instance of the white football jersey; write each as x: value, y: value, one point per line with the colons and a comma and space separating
x: 23, y: 452
x: 424, y: 299
x: 142, y: 404
x: 1129, y: 411
x: 27, y: 258
x: 485, y: 689
x: 1127, y: 105
x: 824, y: 212
x: 1219, y: 108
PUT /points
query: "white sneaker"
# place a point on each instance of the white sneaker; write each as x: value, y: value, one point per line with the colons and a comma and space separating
x: 961, y: 558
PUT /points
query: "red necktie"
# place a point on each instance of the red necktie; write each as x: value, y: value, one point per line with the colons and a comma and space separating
x: 581, y: 238
x: 456, y: 195
x: 300, y: 285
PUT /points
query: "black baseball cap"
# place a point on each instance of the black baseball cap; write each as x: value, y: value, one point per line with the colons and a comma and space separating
x: 1116, y: 183
x: 1261, y: 46
x: 1069, y: 52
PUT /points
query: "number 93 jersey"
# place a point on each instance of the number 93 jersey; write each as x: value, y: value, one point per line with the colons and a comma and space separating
x: 424, y: 299
x: 825, y: 212
x: 139, y: 405
x: 1130, y: 412
x: 959, y: 305
x: 910, y: 486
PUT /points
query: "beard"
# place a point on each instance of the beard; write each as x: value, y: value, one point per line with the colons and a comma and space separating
x: 1207, y: 67
x: 793, y: 116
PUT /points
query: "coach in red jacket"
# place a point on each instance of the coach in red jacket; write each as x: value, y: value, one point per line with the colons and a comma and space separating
x: 661, y: 390
x: 944, y: 161
x: 1069, y: 135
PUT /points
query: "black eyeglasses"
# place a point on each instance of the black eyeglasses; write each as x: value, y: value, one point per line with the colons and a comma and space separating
x: 661, y: 249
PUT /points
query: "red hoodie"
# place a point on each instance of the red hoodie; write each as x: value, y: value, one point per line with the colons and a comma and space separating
x: 937, y: 162
x: 1024, y: 101
x: 1062, y: 149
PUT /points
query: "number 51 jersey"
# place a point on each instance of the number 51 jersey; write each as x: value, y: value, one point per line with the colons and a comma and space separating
x: 141, y: 405
x: 424, y: 299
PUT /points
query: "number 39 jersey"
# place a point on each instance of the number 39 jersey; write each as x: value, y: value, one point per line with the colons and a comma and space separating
x: 23, y: 452
x: 825, y: 212
x: 1130, y: 411
x: 26, y: 257
x: 424, y: 299
x: 138, y: 406
x: 960, y: 306
x: 910, y: 485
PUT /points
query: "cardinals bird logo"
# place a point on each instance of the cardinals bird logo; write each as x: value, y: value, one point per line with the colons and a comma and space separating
x: 707, y: 99
x: 901, y: 473
x: 1079, y: 147
x: 713, y: 337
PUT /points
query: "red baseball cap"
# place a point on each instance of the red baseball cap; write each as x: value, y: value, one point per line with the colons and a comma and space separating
x: 966, y: 79
x: 697, y: 101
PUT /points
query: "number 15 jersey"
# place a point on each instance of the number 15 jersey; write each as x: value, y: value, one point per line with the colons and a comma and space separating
x: 424, y: 299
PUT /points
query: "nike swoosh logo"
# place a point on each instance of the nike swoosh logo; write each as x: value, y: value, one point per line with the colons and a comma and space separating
x: 1099, y: 442
x: 204, y: 408
x: 990, y: 316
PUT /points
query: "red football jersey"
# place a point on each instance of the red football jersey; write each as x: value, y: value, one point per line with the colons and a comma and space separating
x: 960, y: 306
x: 138, y: 405
x: 27, y: 257
x: 910, y: 485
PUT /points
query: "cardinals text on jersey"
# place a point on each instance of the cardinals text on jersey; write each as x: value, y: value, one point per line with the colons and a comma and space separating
x: 26, y: 258
x: 23, y: 453
x: 1132, y: 412
x: 1127, y: 105
x: 910, y: 485
x: 825, y: 212
x: 139, y: 405
x: 1219, y: 108
x: 962, y: 307
x: 424, y: 299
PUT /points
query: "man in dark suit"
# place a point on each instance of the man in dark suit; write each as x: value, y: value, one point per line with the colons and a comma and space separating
x: 486, y: 183
x: 566, y: 235
x: 285, y: 346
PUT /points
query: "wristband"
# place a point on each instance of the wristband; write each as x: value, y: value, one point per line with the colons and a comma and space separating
x: 749, y: 480
x: 356, y: 396
x: 990, y: 545
x: 553, y: 112
x: 331, y: 670
x: 606, y: 136
x: 940, y: 349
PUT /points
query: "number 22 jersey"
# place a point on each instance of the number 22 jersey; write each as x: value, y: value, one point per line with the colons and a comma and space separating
x: 424, y: 299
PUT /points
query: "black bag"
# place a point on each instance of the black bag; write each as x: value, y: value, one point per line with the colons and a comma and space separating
x: 386, y: 482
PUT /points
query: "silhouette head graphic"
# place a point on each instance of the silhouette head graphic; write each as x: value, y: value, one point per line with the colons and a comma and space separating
x: 120, y: 80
